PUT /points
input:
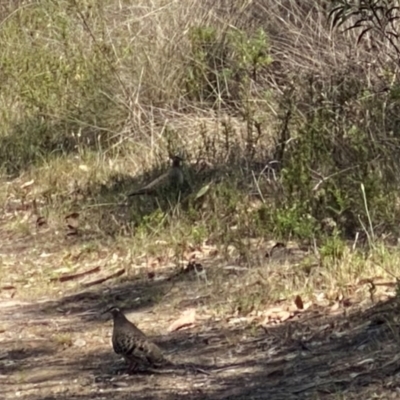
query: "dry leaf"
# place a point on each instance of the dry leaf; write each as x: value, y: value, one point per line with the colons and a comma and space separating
x: 151, y: 274
x: 72, y: 231
x: 73, y: 215
x: 238, y: 320
x: 152, y: 263
x: 8, y: 287
x: 72, y: 221
x: 299, y: 302
x: 320, y: 296
x: 41, y: 221
x: 276, y: 317
x: 213, y: 252
x: 283, y: 316
x: 27, y: 184
x: 273, y: 310
x: 335, y: 306
x: 187, y: 319
x: 347, y: 302
x: 79, y: 342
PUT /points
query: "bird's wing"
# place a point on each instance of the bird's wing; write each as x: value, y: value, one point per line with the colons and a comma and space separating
x: 176, y: 176
x: 151, y: 352
x: 153, y: 185
x: 161, y: 180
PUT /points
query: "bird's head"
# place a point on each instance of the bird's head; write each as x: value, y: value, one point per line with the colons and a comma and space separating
x: 113, y: 310
x: 176, y: 160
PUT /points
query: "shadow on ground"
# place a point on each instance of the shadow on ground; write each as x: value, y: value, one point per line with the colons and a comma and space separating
x: 108, y: 206
x: 61, y: 349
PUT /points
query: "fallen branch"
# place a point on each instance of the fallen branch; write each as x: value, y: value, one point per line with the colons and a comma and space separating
x: 101, y: 280
x: 65, y: 278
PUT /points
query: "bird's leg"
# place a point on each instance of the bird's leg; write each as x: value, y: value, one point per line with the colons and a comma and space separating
x: 132, y: 366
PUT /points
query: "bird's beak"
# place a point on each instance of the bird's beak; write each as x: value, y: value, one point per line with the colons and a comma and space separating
x: 107, y: 310
x: 175, y: 157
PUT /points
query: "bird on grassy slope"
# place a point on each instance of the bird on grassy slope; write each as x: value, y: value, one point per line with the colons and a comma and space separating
x: 172, y: 179
x: 132, y: 344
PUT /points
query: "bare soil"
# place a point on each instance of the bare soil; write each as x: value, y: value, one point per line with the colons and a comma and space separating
x: 58, y: 347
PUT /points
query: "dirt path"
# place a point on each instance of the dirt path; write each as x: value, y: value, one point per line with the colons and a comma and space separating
x: 49, y: 353
x: 59, y: 347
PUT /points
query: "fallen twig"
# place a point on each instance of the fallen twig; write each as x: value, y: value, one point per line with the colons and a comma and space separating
x: 65, y: 278
x: 101, y: 280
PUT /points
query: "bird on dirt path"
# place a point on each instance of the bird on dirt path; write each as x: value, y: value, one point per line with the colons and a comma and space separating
x: 172, y: 179
x: 132, y: 344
